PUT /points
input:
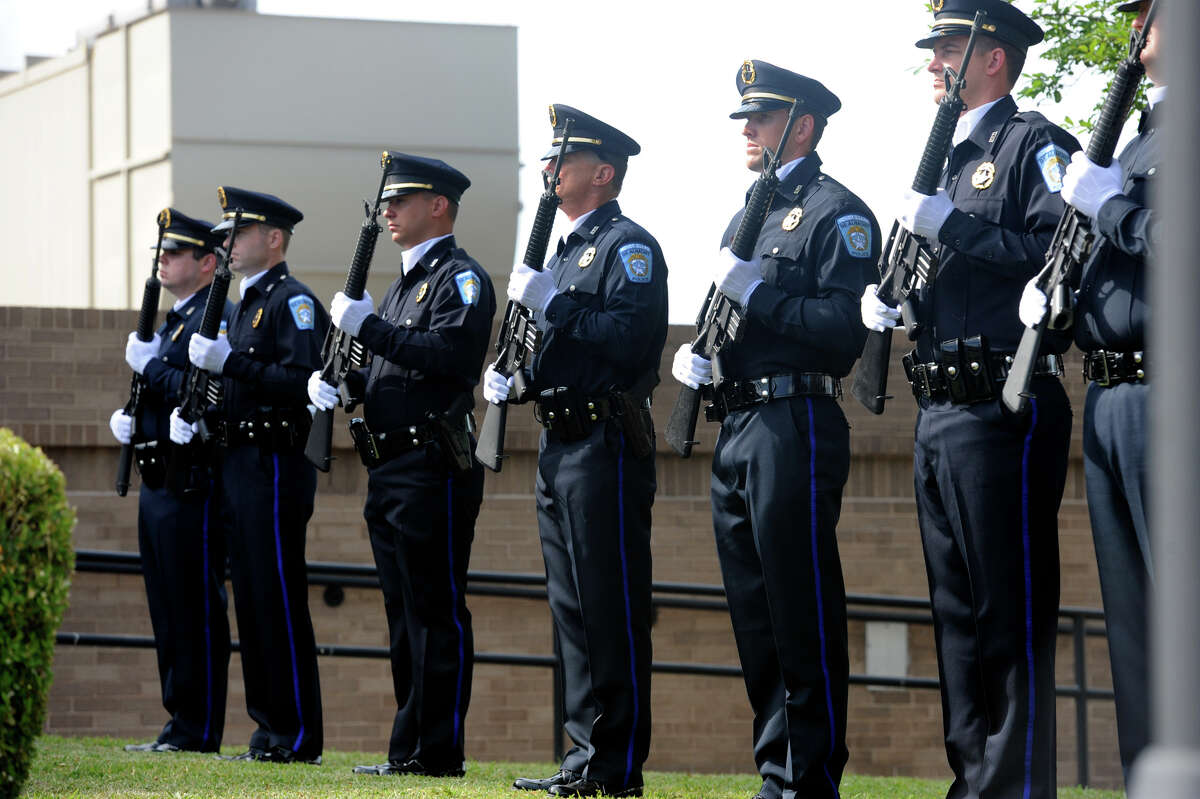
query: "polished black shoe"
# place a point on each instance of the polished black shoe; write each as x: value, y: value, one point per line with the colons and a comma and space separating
x: 152, y: 746
x: 583, y: 787
x: 561, y: 778
x: 274, y: 755
x: 383, y: 769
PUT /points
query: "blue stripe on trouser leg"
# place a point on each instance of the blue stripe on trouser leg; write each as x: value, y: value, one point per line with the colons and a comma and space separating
x: 454, y: 606
x: 287, y: 610
x: 812, y: 505
x: 208, y: 655
x: 1033, y: 415
x: 628, y: 611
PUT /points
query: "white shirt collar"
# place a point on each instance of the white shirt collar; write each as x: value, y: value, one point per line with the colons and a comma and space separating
x: 787, y: 168
x: 970, y: 120
x: 579, y: 221
x: 250, y: 280
x: 413, y: 256
x: 182, y: 302
x: 1156, y: 94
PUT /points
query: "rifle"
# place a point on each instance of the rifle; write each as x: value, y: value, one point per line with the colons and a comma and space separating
x: 720, y: 323
x: 907, y: 262
x: 342, y: 352
x: 520, y: 339
x: 201, y: 390
x: 145, y: 332
x: 1074, y: 237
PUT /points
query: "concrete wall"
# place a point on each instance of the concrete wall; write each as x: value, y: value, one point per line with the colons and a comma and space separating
x: 62, y: 374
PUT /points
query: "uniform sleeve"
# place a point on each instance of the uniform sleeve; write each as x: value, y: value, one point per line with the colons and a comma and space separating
x: 830, y: 319
x: 452, y: 344
x: 164, y: 380
x: 1012, y: 253
x: 635, y: 288
x: 297, y: 355
x: 1132, y: 228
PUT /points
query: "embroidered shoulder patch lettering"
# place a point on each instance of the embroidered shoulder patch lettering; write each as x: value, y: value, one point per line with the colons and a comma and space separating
x: 1053, y: 160
x: 302, y: 311
x: 468, y: 287
x: 856, y: 232
x: 638, y: 261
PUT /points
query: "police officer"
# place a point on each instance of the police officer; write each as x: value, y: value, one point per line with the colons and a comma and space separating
x: 783, y: 454
x: 428, y: 340
x: 265, y: 484
x: 988, y: 483
x: 602, y: 303
x: 179, y: 537
x: 1110, y: 328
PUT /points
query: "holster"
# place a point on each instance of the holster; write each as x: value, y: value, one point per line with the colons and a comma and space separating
x: 966, y: 366
x: 454, y: 442
x: 636, y: 423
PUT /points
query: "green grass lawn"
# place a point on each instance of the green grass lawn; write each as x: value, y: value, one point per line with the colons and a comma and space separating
x: 98, y: 768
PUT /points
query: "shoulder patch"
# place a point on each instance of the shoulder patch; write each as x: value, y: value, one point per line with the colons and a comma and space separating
x: 638, y: 261
x: 1052, y: 161
x: 856, y: 232
x: 302, y: 311
x: 468, y: 287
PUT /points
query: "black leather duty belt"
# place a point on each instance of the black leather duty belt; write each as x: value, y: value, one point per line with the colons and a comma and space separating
x: 735, y: 395
x: 376, y: 448
x: 1107, y: 368
x: 277, y: 430
x: 977, y: 381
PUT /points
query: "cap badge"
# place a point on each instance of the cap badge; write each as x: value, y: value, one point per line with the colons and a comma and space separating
x: 221, y: 196
x: 164, y: 218
x: 792, y: 220
x: 937, y: 5
x: 748, y: 73
x: 553, y: 118
x: 588, y: 256
x: 984, y: 176
x: 421, y: 292
x: 178, y: 330
x: 257, y: 318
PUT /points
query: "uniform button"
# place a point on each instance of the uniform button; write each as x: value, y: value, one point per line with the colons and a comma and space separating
x: 251, y: 350
x: 774, y: 251
x: 571, y: 288
x: 1153, y: 169
x: 1136, y: 359
x: 164, y: 359
x: 408, y: 322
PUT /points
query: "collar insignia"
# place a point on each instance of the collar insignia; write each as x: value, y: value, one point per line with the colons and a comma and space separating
x: 178, y: 330
x: 257, y: 318
x: 421, y: 292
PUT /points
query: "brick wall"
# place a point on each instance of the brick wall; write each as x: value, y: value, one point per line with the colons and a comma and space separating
x: 62, y: 373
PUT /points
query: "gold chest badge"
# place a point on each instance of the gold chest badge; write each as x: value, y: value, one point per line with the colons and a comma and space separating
x: 257, y: 318
x: 792, y: 220
x: 178, y: 330
x: 421, y: 292
x: 588, y: 256
x: 984, y: 176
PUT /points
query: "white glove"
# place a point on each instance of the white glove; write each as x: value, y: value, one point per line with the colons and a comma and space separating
x: 496, y: 387
x: 121, y: 425
x: 735, y: 278
x: 924, y: 214
x: 1088, y: 186
x: 690, y: 369
x: 209, y: 354
x: 181, y: 431
x: 138, y: 353
x: 876, y: 314
x: 320, y: 393
x: 348, y: 314
x: 1033, y: 304
x: 531, y: 288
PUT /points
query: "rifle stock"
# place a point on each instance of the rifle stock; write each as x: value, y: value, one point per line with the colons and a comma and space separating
x: 145, y: 332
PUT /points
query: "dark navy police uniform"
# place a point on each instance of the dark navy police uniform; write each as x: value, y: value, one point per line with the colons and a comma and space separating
x: 783, y: 455
x: 428, y: 342
x: 1110, y: 328
x: 179, y: 538
x: 267, y: 488
x: 988, y: 483
x: 604, y: 333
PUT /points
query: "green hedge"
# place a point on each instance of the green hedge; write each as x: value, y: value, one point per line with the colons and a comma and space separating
x: 36, y: 560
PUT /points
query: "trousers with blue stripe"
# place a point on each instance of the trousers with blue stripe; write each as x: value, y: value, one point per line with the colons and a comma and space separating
x: 777, y: 479
x: 266, y: 502
x: 988, y: 488
x: 421, y: 520
x: 182, y: 549
x: 594, y: 502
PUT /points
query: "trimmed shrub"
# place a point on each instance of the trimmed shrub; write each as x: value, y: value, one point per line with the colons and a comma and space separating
x: 36, y: 560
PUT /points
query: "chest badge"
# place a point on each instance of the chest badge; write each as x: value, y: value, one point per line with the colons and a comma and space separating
x: 792, y: 220
x: 588, y: 256
x: 984, y: 176
x: 257, y: 318
x: 175, y: 335
x: 421, y: 292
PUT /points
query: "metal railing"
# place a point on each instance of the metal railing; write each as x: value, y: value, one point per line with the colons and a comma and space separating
x: 336, y: 577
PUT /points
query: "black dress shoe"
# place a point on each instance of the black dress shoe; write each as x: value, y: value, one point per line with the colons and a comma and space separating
x: 583, y: 787
x: 275, y: 754
x: 563, y: 777
x: 152, y: 746
x: 382, y: 769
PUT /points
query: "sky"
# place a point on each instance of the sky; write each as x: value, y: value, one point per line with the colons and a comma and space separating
x: 664, y: 73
